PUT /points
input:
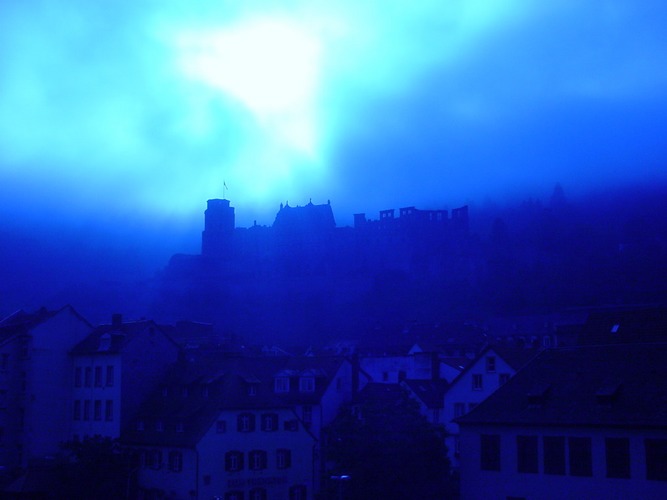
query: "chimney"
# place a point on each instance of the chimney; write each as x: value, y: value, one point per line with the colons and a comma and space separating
x: 116, y: 320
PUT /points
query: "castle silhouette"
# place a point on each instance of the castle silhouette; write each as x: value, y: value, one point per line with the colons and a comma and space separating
x: 304, y: 240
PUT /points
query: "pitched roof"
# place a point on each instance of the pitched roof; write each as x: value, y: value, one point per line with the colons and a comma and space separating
x: 112, y: 338
x: 430, y: 392
x: 607, y: 385
x: 195, y: 392
x: 515, y: 356
x: 21, y: 322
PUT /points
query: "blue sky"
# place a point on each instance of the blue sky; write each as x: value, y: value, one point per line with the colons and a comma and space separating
x: 135, y: 112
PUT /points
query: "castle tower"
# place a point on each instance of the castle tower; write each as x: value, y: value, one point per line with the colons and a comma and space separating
x: 219, y: 223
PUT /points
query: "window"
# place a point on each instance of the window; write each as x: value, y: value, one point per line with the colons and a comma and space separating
x: 98, y: 376
x: 204, y: 391
x: 581, y: 457
x: 554, y: 455
x: 306, y: 384
x: 459, y: 409
x: 283, y: 458
x: 180, y: 427
x: 207, y: 479
x: 148, y: 458
x: 298, y: 492
x: 656, y: 459
x: 245, y: 422
x: 234, y: 495
x: 457, y: 446
x: 252, y: 389
x: 108, y: 410
x: 98, y: 409
x: 77, y: 410
x: 385, y: 376
x: 140, y: 425
x: 270, y: 422
x: 221, y: 426
x: 88, y: 376
x: 491, y: 364
x: 257, y: 460
x: 157, y: 459
x: 110, y: 376
x: 307, y: 414
x: 257, y: 494
x: 281, y: 384
x: 546, y: 341
x: 526, y: 454
x: 503, y: 378
x: 477, y: 382
x: 77, y: 376
x: 617, y: 453
x: 233, y: 461
x: 86, y: 409
x: 490, y: 452
x: 339, y: 385
x: 175, y: 461
x: 158, y: 426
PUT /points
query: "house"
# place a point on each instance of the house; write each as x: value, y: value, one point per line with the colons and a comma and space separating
x: 114, y: 369
x: 576, y: 422
x: 35, y: 388
x: 491, y: 369
x: 222, y: 427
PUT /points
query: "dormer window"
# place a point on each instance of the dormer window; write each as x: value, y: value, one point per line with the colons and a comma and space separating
x: 105, y: 342
x: 281, y: 384
x: 252, y: 390
x: 491, y: 364
x: 307, y: 384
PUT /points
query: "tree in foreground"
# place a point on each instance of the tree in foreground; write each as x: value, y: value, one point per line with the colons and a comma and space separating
x: 385, y: 448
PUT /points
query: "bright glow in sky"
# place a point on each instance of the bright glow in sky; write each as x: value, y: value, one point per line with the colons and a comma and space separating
x: 145, y: 108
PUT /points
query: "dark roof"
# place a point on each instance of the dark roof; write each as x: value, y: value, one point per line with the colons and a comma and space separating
x: 430, y: 392
x: 112, y: 338
x: 609, y: 385
x: 196, y: 391
x: 620, y: 325
x: 308, y: 218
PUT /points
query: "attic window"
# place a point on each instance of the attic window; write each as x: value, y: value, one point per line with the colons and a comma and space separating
x: 105, y: 342
x: 252, y: 389
x: 538, y: 394
x: 606, y: 394
x: 307, y: 384
x: 614, y: 328
x: 281, y: 384
x: 158, y: 426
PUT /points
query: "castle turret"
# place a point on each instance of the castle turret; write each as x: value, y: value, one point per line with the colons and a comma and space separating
x: 219, y: 223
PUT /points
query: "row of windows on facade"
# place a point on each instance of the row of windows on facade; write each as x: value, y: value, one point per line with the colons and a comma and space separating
x: 245, y: 422
x: 82, y: 409
x: 296, y: 492
x: 83, y: 376
x: 234, y: 460
x: 281, y: 385
x: 577, y: 452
